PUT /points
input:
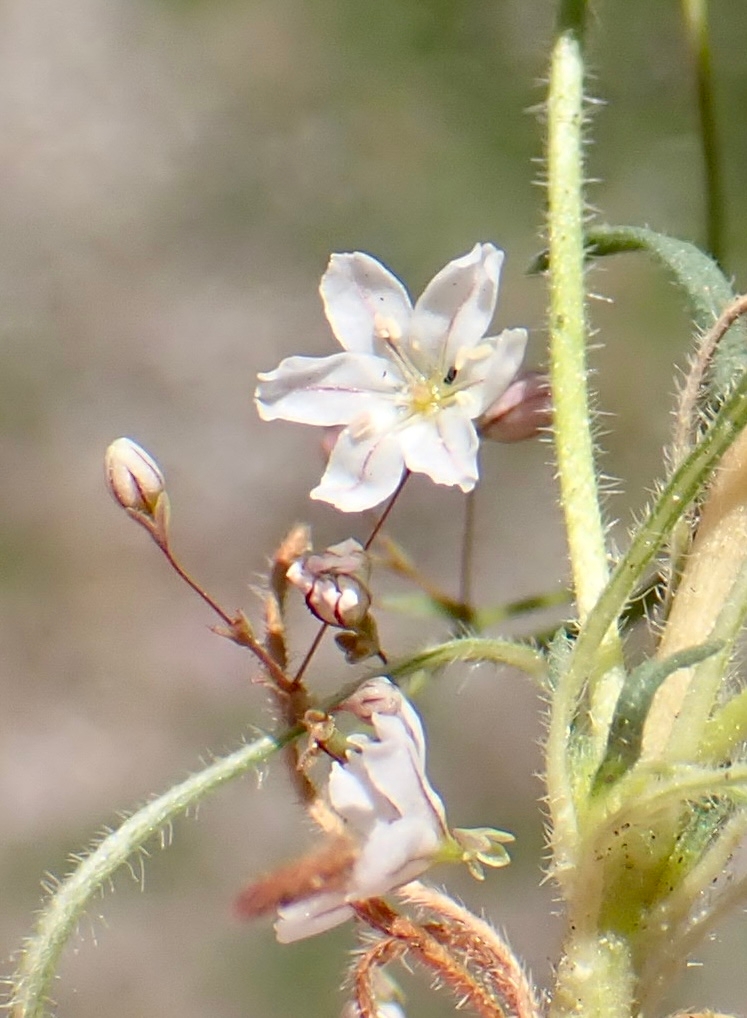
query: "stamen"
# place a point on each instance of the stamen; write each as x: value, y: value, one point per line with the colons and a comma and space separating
x: 471, y: 353
x: 386, y: 329
x: 361, y: 427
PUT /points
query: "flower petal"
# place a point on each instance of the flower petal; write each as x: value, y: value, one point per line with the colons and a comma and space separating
x: 394, y: 854
x: 306, y: 918
x: 396, y: 772
x: 325, y: 390
x: 350, y: 796
x: 485, y: 380
x: 457, y: 306
x: 355, y: 289
x: 443, y: 446
x: 361, y: 472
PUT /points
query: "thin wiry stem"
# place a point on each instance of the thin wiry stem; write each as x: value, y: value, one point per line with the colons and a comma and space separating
x: 370, y: 540
x: 695, y: 14
x: 465, y: 558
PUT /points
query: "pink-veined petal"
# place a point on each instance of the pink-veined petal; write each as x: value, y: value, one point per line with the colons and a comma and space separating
x: 443, y: 446
x: 393, y: 769
x: 487, y: 379
x: 457, y: 306
x: 396, y: 768
x: 306, y: 918
x: 355, y: 289
x: 361, y: 472
x: 325, y: 391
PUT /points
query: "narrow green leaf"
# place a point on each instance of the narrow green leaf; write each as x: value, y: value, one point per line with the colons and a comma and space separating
x: 626, y: 730
x: 707, y: 288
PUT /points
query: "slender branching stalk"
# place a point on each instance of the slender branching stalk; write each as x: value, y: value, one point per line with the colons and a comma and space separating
x: 695, y: 15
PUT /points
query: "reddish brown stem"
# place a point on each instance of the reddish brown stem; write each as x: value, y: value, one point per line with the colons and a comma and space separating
x: 429, y: 952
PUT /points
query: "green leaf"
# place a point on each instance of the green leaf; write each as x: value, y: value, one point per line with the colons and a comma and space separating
x: 707, y: 288
x: 626, y: 730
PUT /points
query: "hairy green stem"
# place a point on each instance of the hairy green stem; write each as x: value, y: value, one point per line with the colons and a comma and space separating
x: 476, y: 648
x: 695, y: 15
x: 60, y: 917
x: 574, y: 445
x: 595, y: 978
x: 568, y: 370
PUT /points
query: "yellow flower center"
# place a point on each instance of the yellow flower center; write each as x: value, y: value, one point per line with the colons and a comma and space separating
x: 425, y: 397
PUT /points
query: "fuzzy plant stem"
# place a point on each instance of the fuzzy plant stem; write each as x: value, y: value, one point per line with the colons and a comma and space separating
x: 62, y: 913
x: 568, y: 371
x: 476, y: 648
x: 574, y: 446
x: 594, y: 979
x: 573, y: 440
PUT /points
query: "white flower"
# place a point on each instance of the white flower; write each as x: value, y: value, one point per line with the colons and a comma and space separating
x: 382, y: 793
x: 410, y: 382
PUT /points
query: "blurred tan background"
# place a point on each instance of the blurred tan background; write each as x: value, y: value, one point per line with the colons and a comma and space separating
x: 174, y: 177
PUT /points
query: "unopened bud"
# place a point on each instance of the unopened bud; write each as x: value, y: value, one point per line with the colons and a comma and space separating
x: 133, y: 477
x: 524, y: 409
x: 335, y: 584
x: 374, y: 696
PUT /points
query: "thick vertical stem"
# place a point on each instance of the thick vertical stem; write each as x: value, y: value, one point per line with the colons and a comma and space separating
x: 573, y: 438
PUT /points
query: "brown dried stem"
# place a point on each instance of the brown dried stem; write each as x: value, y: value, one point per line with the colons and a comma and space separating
x: 364, y: 974
x: 683, y: 435
x: 425, y: 948
x: 481, y: 946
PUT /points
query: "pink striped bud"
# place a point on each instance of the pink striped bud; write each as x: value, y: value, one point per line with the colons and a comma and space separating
x: 335, y: 584
x: 524, y: 409
x: 133, y: 477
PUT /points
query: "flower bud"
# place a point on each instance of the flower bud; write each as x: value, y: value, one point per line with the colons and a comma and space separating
x: 374, y: 696
x: 133, y: 477
x: 524, y: 409
x: 335, y: 584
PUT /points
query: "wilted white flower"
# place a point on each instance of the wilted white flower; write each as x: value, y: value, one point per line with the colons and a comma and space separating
x: 410, y: 382
x: 132, y: 476
x: 382, y: 793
